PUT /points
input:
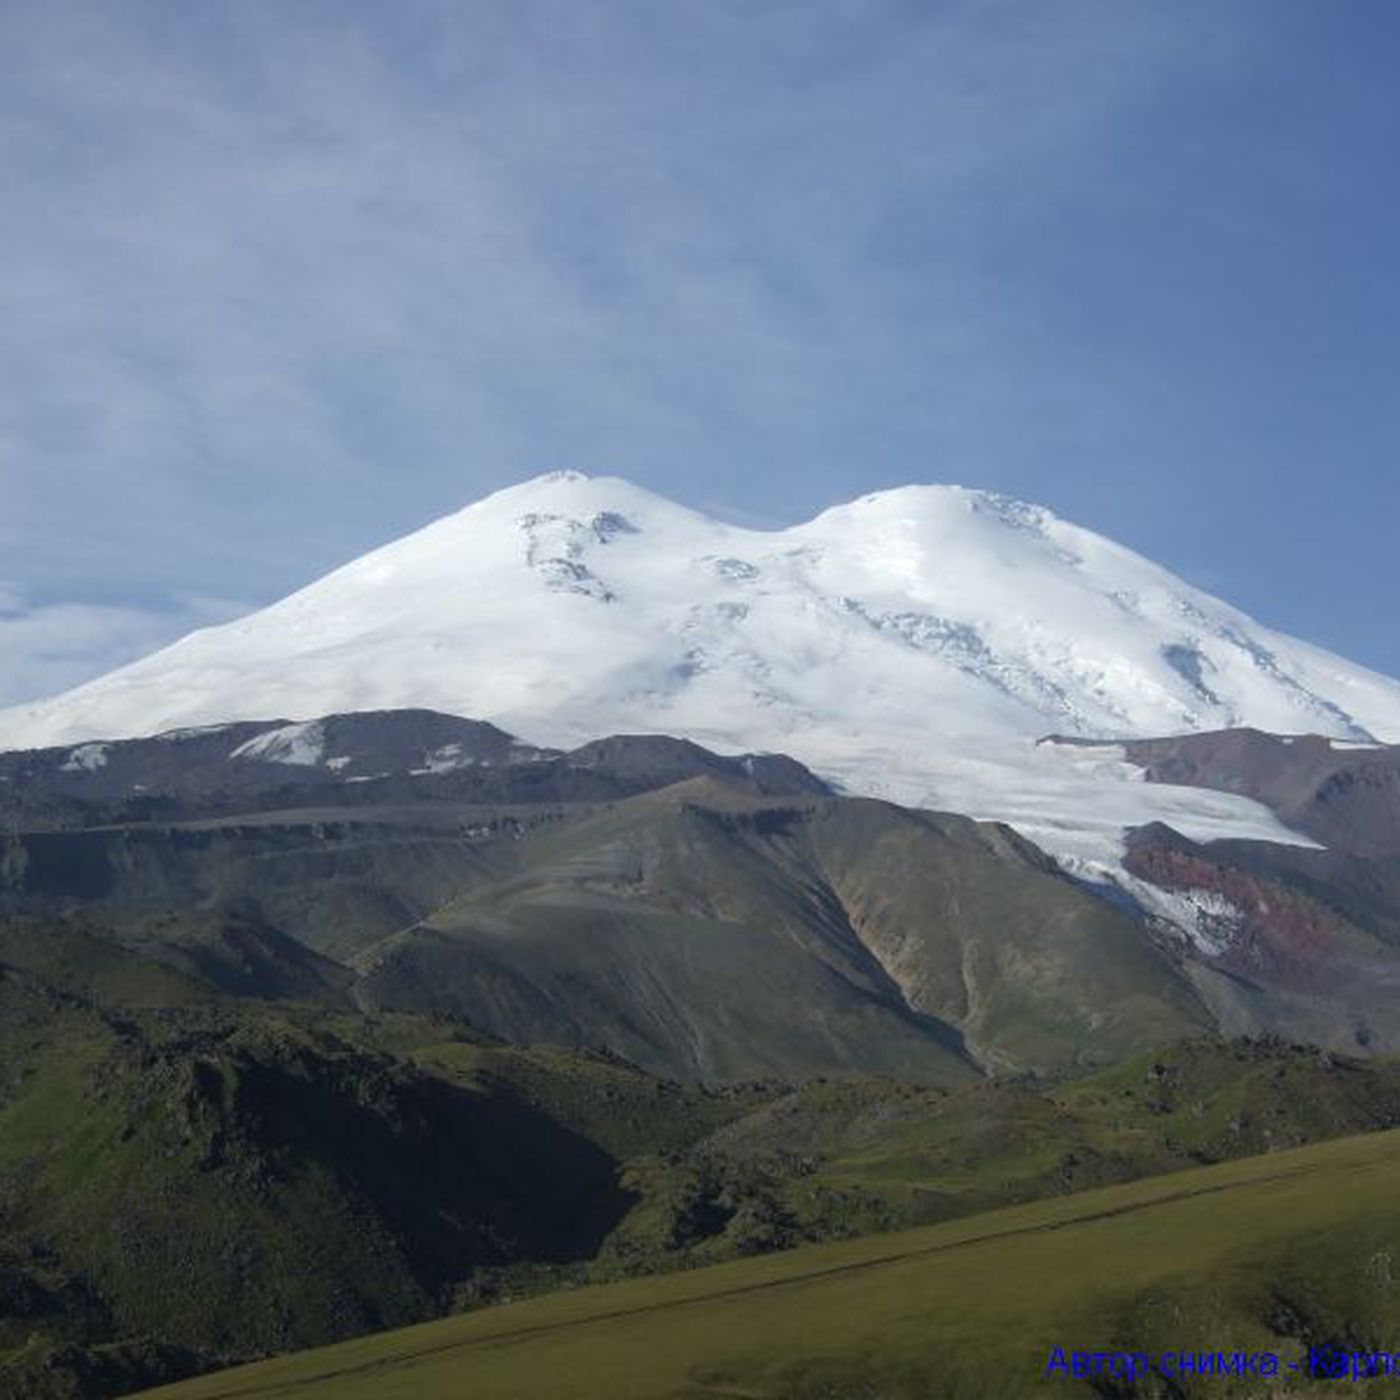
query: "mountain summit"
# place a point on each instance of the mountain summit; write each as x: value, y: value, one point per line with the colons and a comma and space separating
x: 913, y: 643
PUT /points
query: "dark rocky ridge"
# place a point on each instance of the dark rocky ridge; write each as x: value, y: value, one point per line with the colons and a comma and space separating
x: 1344, y: 795
x: 352, y: 760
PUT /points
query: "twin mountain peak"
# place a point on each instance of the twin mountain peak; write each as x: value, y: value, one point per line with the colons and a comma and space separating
x: 913, y: 644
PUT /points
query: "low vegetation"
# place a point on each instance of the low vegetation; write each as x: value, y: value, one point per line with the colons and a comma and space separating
x: 1247, y: 1266
x: 189, y: 1180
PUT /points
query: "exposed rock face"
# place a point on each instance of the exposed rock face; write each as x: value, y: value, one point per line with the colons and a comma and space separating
x: 1304, y: 943
x: 1344, y: 794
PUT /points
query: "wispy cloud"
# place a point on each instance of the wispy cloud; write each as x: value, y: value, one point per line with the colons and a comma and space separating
x: 49, y: 647
x: 281, y: 280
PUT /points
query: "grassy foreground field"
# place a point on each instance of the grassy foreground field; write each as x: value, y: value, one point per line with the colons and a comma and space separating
x: 1271, y: 1253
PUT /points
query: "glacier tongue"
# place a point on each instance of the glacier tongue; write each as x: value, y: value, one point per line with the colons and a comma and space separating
x: 914, y: 644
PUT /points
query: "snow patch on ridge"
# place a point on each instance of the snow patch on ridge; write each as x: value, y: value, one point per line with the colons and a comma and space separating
x: 1208, y: 919
x: 86, y: 758
x: 447, y: 759
x: 303, y: 745
x: 196, y: 731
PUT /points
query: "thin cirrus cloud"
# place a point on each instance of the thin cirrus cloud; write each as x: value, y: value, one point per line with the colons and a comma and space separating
x: 50, y: 647
x: 281, y: 280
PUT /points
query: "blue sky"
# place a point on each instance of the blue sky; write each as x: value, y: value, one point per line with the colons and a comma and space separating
x: 281, y: 281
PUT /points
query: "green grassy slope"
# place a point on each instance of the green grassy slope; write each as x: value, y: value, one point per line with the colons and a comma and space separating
x: 711, y: 934
x: 703, y: 930
x: 1042, y: 976
x: 1266, y: 1254
x: 839, y: 1158
x: 188, y: 1178
x: 236, y: 1178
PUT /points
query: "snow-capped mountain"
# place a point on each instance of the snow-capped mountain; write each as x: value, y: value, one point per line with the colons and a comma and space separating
x: 915, y: 644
